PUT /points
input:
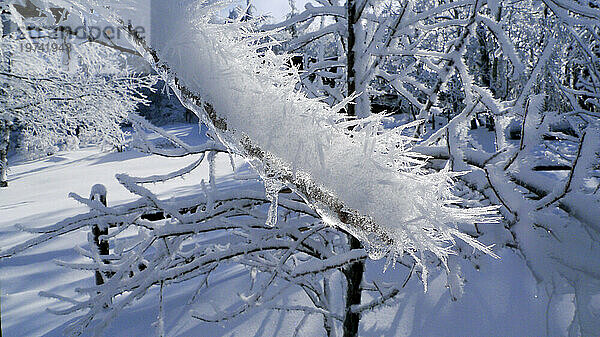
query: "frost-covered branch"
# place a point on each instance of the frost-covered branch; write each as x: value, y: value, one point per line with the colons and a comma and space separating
x: 245, y: 133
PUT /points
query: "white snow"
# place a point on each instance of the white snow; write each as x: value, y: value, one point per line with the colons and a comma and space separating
x: 500, y: 299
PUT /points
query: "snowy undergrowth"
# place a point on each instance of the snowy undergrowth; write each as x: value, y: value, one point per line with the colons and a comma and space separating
x: 498, y: 295
x: 370, y: 169
x: 38, y: 196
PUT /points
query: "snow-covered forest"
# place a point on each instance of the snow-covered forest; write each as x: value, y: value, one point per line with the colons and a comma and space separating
x: 345, y: 168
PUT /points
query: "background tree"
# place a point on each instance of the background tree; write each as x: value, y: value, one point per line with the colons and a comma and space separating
x: 56, y: 101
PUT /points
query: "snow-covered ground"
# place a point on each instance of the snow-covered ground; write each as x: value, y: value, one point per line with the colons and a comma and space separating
x: 500, y: 299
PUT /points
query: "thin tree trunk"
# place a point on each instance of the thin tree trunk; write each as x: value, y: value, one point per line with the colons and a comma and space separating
x: 4, y: 143
x: 485, y: 63
x: 99, y: 193
x: 350, y: 56
x: 354, y: 274
x: 102, y: 246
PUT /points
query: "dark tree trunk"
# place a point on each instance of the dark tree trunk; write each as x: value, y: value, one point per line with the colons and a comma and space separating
x: 102, y: 246
x: 4, y: 143
x: 350, y: 57
x: 484, y: 64
x: 99, y: 194
x: 354, y: 274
